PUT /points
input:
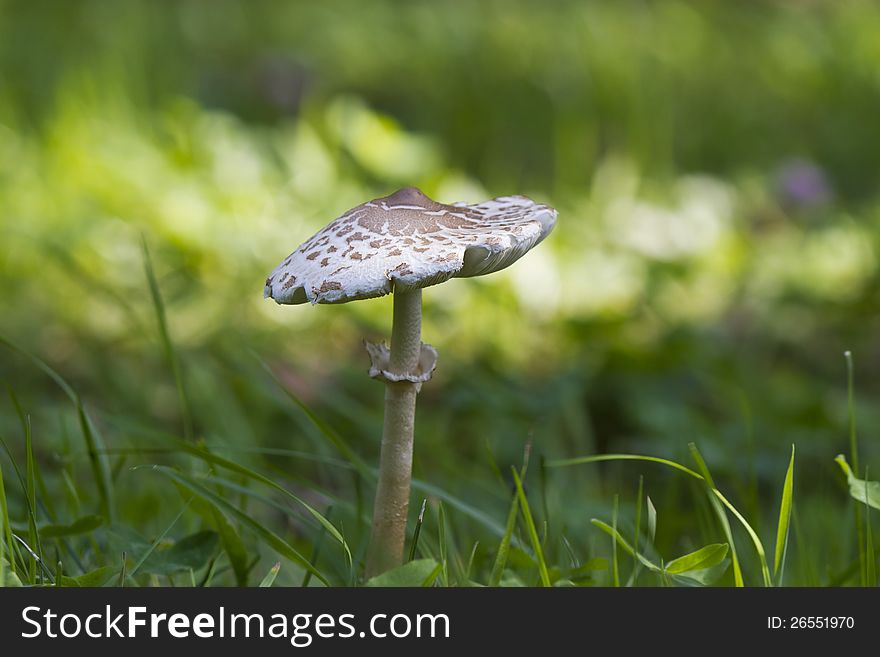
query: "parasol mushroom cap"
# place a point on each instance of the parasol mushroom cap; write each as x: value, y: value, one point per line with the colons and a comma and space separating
x: 405, y: 241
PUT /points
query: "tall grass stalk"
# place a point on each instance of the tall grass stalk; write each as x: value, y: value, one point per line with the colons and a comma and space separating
x: 854, y: 460
x: 719, y: 513
x: 783, y: 526
x: 871, y: 559
x: 635, y: 572
x: 530, y: 528
x: 615, y: 567
x: 167, y: 344
x: 5, y: 535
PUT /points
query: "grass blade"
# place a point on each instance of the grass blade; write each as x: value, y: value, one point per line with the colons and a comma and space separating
x: 635, y: 572
x: 756, y: 541
x: 720, y: 514
x: 31, y: 494
x: 851, y: 412
x: 622, y: 542
x: 615, y: 569
x: 417, y: 530
x: 854, y: 456
x: 871, y: 567
x: 862, y: 490
x: 214, y: 459
x: 784, y: 521
x: 459, y: 505
x: 232, y: 545
x: 432, y: 576
x: 444, y: 548
x: 868, y: 493
x: 269, y: 579
x: 28, y: 483
x: 598, y: 458
x: 167, y: 344
x: 530, y: 527
x: 504, y: 546
x: 98, y: 462
x: 274, y: 541
x: 94, y: 443
x: 122, y: 572
x: 157, y: 541
x: 5, y: 535
x: 35, y: 557
x: 705, y: 557
x: 316, y: 553
x: 510, y: 526
x: 470, y: 563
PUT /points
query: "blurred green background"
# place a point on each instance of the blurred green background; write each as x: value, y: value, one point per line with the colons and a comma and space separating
x: 715, y: 168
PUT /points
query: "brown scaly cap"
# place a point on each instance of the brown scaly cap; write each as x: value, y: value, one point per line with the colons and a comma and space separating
x: 406, y: 241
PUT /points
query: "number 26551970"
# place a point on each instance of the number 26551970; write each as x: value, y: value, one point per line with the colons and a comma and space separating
x: 811, y: 623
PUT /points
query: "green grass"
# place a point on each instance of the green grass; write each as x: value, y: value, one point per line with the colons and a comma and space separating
x: 232, y: 536
x: 713, y: 492
x: 658, y: 356
x: 783, y: 527
x: 7, y: 547
x: 530, y: 528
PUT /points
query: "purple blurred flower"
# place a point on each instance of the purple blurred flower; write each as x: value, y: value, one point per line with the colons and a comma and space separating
x: 802, y: 184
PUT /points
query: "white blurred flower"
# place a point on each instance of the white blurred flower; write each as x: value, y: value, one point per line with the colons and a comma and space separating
x: 694, y: 226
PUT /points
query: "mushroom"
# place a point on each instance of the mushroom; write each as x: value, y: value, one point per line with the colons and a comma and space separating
x: 399, y: 244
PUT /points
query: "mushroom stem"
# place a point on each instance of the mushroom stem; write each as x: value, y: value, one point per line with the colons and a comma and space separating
x: 395, y: 459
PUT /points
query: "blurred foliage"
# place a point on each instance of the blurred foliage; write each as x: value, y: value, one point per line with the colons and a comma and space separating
x: 714, y: 165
